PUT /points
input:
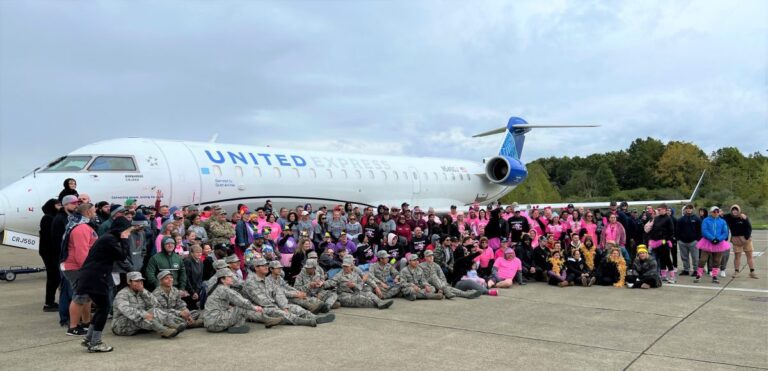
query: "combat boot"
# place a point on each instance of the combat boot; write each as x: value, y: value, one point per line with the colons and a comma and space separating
x: 311, y: 322
x: 243, y: 329
x: 270, y: 322
x: 472, y: 294
x: 448, y: 294
x: 165, y: 332
x: 326, y: 318
x: 336, y: 305
x: 384, y: 304
x: 196, y: 324
x: 314, y: 307
x: 435, y: 296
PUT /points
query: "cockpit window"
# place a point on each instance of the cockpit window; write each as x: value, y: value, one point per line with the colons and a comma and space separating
x: 69, y: 163
x: 112, y: 163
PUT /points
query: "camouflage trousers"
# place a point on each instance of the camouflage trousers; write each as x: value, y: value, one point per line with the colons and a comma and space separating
x: 364, y: 299
x: 328, y: 297
x: 124, y: 326
x: 309, y: 303
x: 411, y: 294
x: 293, y: 314
x: 392, y: 291
x: 217, y: 321
x: 452, y: 292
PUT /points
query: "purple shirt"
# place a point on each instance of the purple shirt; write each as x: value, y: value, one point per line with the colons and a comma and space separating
x: 350, y: 246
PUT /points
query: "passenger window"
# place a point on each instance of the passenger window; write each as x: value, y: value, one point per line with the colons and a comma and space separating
x: 112, y: 163
x: 396, y: 176
x: 384, y: 174
x: 330, y: 173
x: 405, y: 175
x: 239, y: 171
x: 415, y: 176
x: 297, y: 172
x: 344, y: 172
x: 257, y: 172
x: 217, y: 170
x: 313, y: 172
x: 370, y: 174
x: 69, y: 163
x: 277, y: 172
x: 358, y: 174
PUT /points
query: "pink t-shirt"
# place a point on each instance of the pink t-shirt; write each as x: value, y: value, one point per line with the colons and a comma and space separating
x: 507, y: 269
x: 485, y: 257
x: 591, y: 230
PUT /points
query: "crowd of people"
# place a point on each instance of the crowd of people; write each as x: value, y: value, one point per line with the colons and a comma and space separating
x: 163, y: 268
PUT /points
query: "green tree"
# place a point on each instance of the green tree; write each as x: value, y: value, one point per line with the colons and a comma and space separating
x: 536, y: 188
x: 580, y: 185
x: 680, y: 166
x: 606, y: 182
x: 642, y: 159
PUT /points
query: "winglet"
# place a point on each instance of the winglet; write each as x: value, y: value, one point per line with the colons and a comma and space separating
x: 698, y: 185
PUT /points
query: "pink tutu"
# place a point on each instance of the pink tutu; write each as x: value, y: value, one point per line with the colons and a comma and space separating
x: 707, y: 245
x: 654, y: 244
x: 494, y: 243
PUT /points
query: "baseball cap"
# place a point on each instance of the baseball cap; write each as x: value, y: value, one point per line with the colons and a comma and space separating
x: 713, y: 208
x: 259, y: 262
x: 219, y: 264
x: 168, y: 240
x: 428, y: 253
x: 162, y: 274
x: 130, y: 202
x: 382, y: 254
x: 275, y: 264
x: 114, y: 210
x: 224, y: 273
x: 348, y: 261
x: 134, y: 276
x: 312, y: 255
x: 231, y: 259
x: 310, y: 264
x: 413, y: 257
x: 70, y: 199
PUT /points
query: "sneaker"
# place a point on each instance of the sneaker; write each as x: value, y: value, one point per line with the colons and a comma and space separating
x: 592, y: 281
x: 697, y: 279
x: 722, y: 273
x: 645, y: 286
x: 735, y: 274
x: 493, y: 292
x: 753, y: 275
x: 76, y: 331
x: 51, y: 307
x: 685, y: 273
x: 85, y: 343
x: 715, y: 280
x: 99, y: 348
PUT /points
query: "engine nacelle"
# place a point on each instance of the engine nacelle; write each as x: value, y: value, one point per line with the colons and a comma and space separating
x: 505, y: 170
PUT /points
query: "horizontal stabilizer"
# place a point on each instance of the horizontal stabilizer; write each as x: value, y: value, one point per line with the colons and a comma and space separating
x: 523, y: 127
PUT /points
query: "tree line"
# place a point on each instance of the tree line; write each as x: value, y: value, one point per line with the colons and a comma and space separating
x: 650, y: 169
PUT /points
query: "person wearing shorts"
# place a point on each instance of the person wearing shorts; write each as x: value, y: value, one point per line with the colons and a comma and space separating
x: 741, y: 239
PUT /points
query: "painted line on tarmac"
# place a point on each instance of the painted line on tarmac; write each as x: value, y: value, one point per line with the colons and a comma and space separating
x: 716, y: 288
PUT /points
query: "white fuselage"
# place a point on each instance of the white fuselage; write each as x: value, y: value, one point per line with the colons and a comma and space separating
x: 226, y: 175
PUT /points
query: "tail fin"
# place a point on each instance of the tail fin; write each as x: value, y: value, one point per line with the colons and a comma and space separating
x: 516, y: 128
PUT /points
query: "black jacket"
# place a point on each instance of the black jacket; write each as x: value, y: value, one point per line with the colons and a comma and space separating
x: 738, y: 226
x: 663, y: 228
x: 688, y: 228
x: 194, y: 268
x: 647, y: 269
x: 540, y: 255
x: 47, y: 249
x: 525, y: 254
x: 608, y: 272
x: 58, y: 227
x: 97, y: 268
x: 463, y: 263
x: 576, y: 268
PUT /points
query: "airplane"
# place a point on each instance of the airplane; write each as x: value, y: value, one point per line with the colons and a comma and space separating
x: 209, y: 173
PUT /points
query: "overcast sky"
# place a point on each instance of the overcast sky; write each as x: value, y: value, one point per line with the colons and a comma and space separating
x: 409, y: 77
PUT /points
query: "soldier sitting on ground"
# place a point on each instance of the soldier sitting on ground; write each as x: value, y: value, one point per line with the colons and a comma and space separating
x: 436, y: 278
x: 415, y: 283
x: 275, y: 282
x: 355, y: 290
x: 387, y: 277
x: 169, y: 300
x: 226, y: 310
x: 136, y: 310
x: 312, y: 283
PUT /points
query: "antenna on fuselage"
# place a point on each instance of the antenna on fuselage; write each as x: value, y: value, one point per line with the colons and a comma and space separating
x: 213, y: 138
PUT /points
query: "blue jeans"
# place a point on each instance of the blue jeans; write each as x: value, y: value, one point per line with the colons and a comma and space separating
x: 333, y: 272
x: 65, y: 297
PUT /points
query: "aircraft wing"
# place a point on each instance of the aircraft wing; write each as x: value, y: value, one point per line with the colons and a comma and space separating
x: 606, y: 204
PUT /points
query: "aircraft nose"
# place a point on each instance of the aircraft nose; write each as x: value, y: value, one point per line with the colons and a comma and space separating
x: 4, y: 206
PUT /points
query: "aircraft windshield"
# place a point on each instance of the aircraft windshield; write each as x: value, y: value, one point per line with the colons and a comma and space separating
x: 112, y: 163
x: 69, y: 163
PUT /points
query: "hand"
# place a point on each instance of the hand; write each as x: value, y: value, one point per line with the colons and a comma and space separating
x: 416, y: 289
x: 351, y: 285
x: 301, y: 295
x: 126, y: 233
x: 378, y: 293
x: 286, y: 311
x: 258, y: 309
x: 427, y: 289
x: 185, y: 314
x: 149, y: 316
x: 159, y: 194
x: 365, y: 277
x: 384, y: 286
x: 184, y: 293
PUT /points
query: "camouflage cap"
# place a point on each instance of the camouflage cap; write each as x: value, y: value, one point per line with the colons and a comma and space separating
x: 275, y: 264
x: 312, y: 255
x: 134, y: 276
x: 162, y: 274
x: 413, y: 257
x: 382, y: 254
x: 259, y: 262
x: 348, y: 261
x: 310, y: 264
x: 219, y: 264
x: 428, y: 253
x: 224, y: 273
x: 231, y: 259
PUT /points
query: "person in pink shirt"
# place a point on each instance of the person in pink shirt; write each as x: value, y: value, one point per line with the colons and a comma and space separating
x: 556, y: 228
x: 614, y: 231
x: 588, y: 224
x: 80, y: 236
x: 506, y: 271
x: 273, y: 228
x: 485, y: 259
x: 482, y: 220
x: 462, y: 225
x: 535, y: 222
x: 473, y: 220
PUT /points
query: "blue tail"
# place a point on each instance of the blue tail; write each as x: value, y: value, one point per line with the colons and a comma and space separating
x: 514, y: 139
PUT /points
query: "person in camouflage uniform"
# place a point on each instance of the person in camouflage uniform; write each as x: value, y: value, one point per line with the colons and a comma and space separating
x: 273, y: 300
x: 312, y: 283
x: 355, y: 290
x: 169, y: 300
x: 276, y: 283
x: 135, y: 310
x: 444, y: 253
x: 415, y: 283
x: 436, y: 278
x: 220, y: 230
x: 221, y: 264
x: 387, y: 277
x: 226, y: 310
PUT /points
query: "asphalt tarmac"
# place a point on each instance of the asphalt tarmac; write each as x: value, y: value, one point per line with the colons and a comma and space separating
x: 682, y: 326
